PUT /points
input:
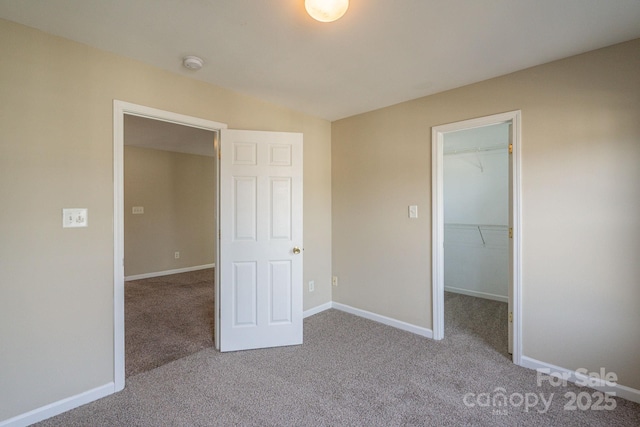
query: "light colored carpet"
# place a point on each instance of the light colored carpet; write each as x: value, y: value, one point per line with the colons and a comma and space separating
x: 349, y: 372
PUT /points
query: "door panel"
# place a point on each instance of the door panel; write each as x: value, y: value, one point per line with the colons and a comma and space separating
x: 281, y: 220
x: 260, y: 225
x: 244, y: 210
x: 280, y: 287
x: 244, y: 294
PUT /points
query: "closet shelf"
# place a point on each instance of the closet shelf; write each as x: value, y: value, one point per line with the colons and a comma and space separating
x: 477, y: 149
x: 487, y: 226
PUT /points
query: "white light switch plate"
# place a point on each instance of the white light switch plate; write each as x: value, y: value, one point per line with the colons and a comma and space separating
x: 413, y: 211
x: 74, y: 218
x: 137, y: 210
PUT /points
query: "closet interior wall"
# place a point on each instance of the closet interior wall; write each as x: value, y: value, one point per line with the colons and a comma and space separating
x: 476, y: 174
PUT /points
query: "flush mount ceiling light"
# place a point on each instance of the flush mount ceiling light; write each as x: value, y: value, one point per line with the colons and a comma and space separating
x: 192, y: 62
x: 326, y: 10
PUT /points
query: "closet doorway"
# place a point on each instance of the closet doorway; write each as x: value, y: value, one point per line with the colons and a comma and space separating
x: 476, y: 225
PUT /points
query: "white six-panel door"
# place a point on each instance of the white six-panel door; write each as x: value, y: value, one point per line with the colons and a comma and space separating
x: 260, y: 239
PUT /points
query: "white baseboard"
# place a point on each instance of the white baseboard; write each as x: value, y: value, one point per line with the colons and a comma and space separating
x: 418, y: 330
x: 622, y: 391
x: 476, y: 294
x: 168, y: 272
x: 59, y: 407
x: 318, y: 309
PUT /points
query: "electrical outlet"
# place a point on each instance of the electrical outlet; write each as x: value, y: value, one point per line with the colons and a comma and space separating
x: 334, y: 280
x: 312, y: 286
x: 176, y: 255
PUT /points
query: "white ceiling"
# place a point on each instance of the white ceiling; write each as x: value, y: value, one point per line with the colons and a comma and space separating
x: 380, y: 53
x: 158, y: 135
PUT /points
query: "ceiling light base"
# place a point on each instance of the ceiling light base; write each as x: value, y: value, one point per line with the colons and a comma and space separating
x: 326, y: 10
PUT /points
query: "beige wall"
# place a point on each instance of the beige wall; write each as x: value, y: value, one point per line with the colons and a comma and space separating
x: 178, y: 194
x: 581, y: 204
x: 581, y: 200
x: 56, y: 150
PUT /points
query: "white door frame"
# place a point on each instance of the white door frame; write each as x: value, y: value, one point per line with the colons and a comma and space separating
x: 437, y: 212
x: 120, y: 108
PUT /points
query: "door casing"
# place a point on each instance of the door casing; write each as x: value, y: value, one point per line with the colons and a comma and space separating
x: 120, y: 108
x: 437, y: 212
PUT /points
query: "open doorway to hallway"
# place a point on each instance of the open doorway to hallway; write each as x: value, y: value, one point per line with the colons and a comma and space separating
x: 170, y: 185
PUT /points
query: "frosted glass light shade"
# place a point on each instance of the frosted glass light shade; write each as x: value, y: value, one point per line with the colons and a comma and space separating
x: 326, y: 10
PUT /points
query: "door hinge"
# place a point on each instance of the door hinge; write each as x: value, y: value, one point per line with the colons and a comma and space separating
x: 510, y: 148
x: 510, y: 232
x: 219, y: 235
x: 511, y: 317
x: 219, y: 154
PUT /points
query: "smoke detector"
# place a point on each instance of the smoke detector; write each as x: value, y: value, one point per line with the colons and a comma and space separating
x: 192, y: 62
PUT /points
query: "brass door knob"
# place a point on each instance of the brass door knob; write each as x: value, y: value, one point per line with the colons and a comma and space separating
x: 296, y: 250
